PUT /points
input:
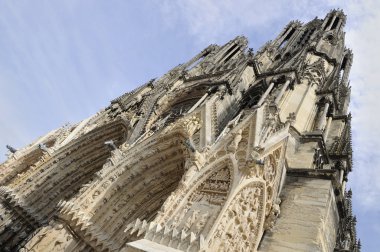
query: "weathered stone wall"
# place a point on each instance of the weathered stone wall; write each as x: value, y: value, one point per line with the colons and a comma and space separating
x: 308, y: 219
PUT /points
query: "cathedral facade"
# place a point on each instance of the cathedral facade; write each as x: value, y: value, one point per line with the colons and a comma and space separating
x: 231, y: 151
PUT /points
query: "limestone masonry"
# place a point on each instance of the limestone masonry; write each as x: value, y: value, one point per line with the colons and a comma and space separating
x: 231, y: 151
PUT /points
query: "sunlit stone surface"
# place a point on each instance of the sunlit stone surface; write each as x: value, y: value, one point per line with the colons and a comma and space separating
x: 231, y: 151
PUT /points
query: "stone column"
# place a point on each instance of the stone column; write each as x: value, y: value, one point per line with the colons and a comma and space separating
x: 341, y: 174
x: 290, y: 28
x: 206, y: 130
x: 339, y: 23
x: 322, y: 118
x: 327, y: 128
x: 198, y: 103
x: 262, y: 99
x: 282, y: 91
x: 344, y: 185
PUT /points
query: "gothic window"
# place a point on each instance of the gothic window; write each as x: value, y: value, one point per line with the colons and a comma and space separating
x: 287, y: 38
x: 335, y: 21
x: 286, y: 30
x: 335, y: 24
x: 230, y: 52
x: 179, y: 107
x: 342, y: 68
x: 196, y: 62
x: 191, y: 66
x: 325, y: 109
x: 329, y: 22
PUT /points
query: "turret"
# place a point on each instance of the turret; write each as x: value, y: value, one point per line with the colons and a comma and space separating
x: 331, y: 42
x: 334, y: 21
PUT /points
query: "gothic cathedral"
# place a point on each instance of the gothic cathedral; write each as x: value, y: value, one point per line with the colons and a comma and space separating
x: 234, y: 150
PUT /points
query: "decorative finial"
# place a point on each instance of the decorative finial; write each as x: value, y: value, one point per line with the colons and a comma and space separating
x: 349, y: 194
x: 11, y: 149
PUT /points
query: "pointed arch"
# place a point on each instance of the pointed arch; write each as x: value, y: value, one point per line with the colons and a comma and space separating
x: 134, y: 189
x: 199, y: 206
x: 240, y: 225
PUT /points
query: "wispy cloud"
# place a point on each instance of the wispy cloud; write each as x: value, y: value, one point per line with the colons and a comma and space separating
x: 212, y: 20
x: 55, y: 66
x: 364, y: 38
x: 63, y: 61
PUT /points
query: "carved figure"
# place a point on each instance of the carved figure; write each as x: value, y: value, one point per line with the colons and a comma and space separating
x: 196, y: 160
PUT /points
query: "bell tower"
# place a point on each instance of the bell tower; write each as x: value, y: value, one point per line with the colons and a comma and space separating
x: 234, y: 150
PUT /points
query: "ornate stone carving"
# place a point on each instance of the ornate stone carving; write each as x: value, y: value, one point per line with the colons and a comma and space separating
x: 241, y: 223
x: 273, y: 215
x: 315, y: 72
x: 237, y: 136
x: 190, y: 125
x: 196, y: 159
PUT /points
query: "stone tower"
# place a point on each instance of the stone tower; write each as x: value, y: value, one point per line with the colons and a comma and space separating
x: 231, y: 151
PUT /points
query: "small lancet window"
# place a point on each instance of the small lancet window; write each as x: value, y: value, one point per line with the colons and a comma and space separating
x: 286, y: 30
x: 286, y: 39
x: 342, y: 67
x: 344, y: 63
x: 329, y: 22
x: 230, y: 52
x: 192, y: 65
x: 335, y: 24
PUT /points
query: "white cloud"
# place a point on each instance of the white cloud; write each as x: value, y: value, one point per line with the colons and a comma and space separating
x: 213, y: 20
x: 364, y: 38
x: 56, y: 53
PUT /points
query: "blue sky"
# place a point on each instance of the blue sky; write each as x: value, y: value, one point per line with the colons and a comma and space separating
x: 62, y: 61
